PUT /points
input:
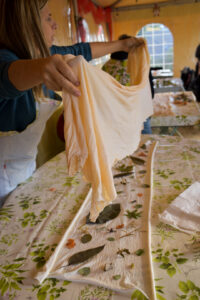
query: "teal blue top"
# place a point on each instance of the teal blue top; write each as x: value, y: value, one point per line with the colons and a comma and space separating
x: 18, y: 108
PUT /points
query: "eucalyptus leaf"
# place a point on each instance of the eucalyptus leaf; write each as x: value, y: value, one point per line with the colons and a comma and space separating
x: 123, y: 174
x: 86, y: 238
x: 137, y: 161
x: 139, y: 252
x: 82, y: 256
x: 84, y: 271
x: 110, y: 212
x: 116, y: 277
x: 145, y: 185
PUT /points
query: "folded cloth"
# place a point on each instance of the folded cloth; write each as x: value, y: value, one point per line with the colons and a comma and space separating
x: 184, y: 212
x: 104, y: 124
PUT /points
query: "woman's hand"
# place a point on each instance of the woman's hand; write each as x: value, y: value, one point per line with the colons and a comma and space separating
x: 128, y: 44
x: 53, y: 71
x: 58, y: 75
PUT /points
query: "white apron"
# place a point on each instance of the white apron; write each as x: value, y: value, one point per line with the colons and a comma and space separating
x: 18, y: 150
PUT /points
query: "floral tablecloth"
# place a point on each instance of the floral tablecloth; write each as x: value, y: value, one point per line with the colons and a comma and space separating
x: 183, y: 115
x: 38, y: 213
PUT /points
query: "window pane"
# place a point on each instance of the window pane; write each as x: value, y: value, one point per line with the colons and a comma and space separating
x: 158, y: 39
x: 158, y: 59
x: 149, y: 39
x: 150, y: 48
x: 158, y: 49
x: 168, y: 38
x: 168, y: 49
x: 168, y: 58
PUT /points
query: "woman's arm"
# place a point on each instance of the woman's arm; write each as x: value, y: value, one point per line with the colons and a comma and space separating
x: 53, y: 71
x: 99, y: 49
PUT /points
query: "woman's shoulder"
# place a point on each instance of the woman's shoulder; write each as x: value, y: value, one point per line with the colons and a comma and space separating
x: 6, y: 54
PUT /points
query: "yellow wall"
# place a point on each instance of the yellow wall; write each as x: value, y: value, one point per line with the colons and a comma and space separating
x: 182, y: 20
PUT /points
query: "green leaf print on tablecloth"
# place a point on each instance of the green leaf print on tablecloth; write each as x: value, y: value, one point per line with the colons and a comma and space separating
x: 138, y: 295
x: 27, y: 201
x: 169, y: 260
x: 95, y: 293
x: 50, y: 289
x: 179, y: 185
x: 165, y: 231
x: 32, y: 219
x: 189, y: 289
x: 11, y: 278
x: 6, y: 214
x: 39, y: 254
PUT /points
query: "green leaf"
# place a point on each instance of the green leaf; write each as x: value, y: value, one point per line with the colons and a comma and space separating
x: 157, y: 259
x: 86, y: 238
x: 111, y: 239
x: 45, y: 288
x: 116, y: 277
x: 82, y: 256
x: 171, y: 271
x: 125, y: 169
x: 165, y: 259
x: 164, y: 266
x: 183, y: 287
x: 194, y: 297
x: 66, y: 282
x: 136, y: 160
x: 51, y: 297
x: 15, y: 286
x: 20, y: 259
x: 159, y: 297
x: 139, y: 252
x: 41, y: 296
x: 181, y: 260
x: 2, y: 282
x: 84, y: 271
x: 145, y: 185
x: 190, y: 285
x: 110, y: 212
x: 138, y: 295
x: 4, y: 288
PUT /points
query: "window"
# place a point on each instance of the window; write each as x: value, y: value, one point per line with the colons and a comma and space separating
x: 160, y: 45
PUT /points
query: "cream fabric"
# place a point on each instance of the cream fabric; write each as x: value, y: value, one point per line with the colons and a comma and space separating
x: 129, y: 234
x: 104, y: 124
x: 184, y: 212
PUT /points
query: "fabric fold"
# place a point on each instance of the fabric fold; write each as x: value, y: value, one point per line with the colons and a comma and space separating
x: 104, y: 124
x: 184, y: 212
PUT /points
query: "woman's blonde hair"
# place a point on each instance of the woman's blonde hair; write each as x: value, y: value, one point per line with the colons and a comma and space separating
x: 21, y: 31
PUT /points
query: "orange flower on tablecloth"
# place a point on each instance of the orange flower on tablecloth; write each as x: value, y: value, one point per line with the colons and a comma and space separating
x: 142, y: 154
x: 139, y: 194
x: 70, y: 244
x: 120, y: 226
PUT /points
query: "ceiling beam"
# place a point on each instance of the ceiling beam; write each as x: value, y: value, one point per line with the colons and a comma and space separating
x: 151, y: 5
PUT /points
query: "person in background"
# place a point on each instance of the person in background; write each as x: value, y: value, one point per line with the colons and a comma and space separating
x: 195, y: 83
x: 117, y: 67
x: 31, y: 67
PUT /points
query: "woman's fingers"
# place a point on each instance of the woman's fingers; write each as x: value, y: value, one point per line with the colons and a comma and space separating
x: 66, y: 84
x: 58, y: 75
x: 132, y: 42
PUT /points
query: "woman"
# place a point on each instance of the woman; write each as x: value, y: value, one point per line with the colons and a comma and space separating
x: 31, y: 66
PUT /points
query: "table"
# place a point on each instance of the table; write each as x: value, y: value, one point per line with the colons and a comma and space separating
x: 168, y: 84
x: 162, y: 73
x: 174, y: 115
x: 40, y: 210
